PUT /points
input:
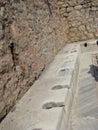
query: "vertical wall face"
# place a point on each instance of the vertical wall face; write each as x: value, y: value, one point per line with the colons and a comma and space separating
x: 30, y: 36
x: 82, y: 18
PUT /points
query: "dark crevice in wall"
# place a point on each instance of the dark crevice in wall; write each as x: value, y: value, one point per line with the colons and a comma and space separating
x: 49, y: 6
x: 12, y: 50
x: 2, y: 118
x: 11, y: 108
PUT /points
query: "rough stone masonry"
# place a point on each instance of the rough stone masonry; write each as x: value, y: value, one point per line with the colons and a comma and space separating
x: 82, y: 18
x: 31, y: 34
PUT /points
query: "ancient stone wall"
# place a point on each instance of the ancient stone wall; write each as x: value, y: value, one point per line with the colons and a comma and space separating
x: 82, y: 18
x: 31, y: 33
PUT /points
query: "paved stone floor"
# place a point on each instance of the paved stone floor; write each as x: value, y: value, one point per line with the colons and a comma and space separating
x: 85, y: 109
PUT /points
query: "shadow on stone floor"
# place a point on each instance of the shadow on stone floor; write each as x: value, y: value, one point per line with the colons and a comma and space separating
x: 94, y: 71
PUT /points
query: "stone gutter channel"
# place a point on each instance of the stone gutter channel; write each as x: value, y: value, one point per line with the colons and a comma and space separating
x: 47, y: 105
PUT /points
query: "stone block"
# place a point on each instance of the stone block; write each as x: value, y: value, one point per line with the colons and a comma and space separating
x: 92, y: 13
x: 94, y: 8
x: 90, y: 35
x: 69, y: 9
x: 96, y: 35
x: 78, y: 7
x: 96, y: 13
x: 65, y: 14
x: 82, y: 28
x: 2, y: 11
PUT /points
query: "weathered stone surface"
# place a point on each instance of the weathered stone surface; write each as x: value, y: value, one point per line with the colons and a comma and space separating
x: 78, y: 7
x: 90, y: 36
x: 32, y: 32
x: 96, y: 35
x: 80, y: 14
x: 69, y: 9
x: 93, y: 8
x: 30, y: 37
x: 50, y: 98
x: 85, y: 109
x: 82, y: 28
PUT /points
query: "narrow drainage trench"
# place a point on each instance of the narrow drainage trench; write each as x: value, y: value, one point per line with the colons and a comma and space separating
x: 84, y: 113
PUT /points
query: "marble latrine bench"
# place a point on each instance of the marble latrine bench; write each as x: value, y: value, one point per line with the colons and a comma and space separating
x: 47, y: 105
